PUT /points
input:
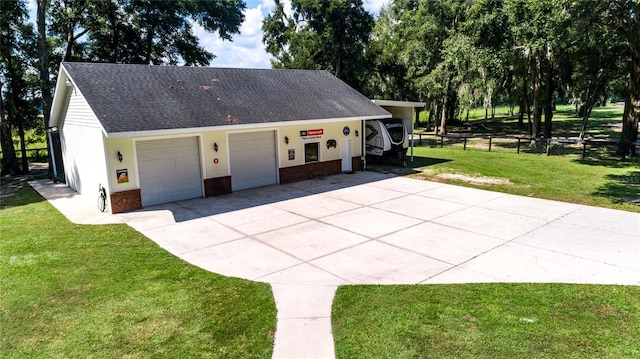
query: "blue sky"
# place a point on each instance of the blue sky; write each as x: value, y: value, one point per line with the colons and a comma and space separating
x: 246, y: 50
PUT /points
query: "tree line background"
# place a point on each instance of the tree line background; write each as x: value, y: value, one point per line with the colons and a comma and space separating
x: 452, y: 54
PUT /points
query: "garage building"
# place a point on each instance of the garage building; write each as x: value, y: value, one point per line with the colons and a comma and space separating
x: 156, y: 134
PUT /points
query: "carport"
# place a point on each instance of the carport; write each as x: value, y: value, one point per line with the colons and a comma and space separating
x: 408, y: 111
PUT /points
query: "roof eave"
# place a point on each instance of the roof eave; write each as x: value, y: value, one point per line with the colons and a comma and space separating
x: 180, y: 131
x: 399, y: 103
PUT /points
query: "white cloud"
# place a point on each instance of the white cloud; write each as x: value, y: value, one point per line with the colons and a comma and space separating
x: 374, y: 6
x: 247, y: 50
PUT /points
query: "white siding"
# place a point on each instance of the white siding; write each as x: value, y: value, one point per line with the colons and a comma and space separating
x: 82, y: 146
x: 78, y: 111
x: 84, y: 160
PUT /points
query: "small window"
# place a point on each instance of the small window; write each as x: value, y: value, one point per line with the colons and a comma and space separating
x: 311, y: 151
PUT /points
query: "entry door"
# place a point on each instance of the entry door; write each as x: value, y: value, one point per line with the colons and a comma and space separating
x: 346, y: 154
x: 169, y: 170
x: 252, y: 158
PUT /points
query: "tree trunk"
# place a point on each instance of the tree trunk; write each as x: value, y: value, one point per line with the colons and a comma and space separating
x: 486, y: 108
x: 631, y: 106
x: 438, y: 117
x: 23, y: 148
x: 521, y: 114
x: 443, y: 119
x: 45, y: 83
x: 548, y: 101
x: 9, y: 160
x: 537, y: 89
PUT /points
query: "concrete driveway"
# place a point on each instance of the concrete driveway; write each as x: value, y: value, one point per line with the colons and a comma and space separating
x: 307, y: 238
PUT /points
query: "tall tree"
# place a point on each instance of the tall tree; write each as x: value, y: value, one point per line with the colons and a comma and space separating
x: 386, y: 80
x: 17, y: 51
x: 537, y: 25
x: 325, y: 34
x: 142, y: 31
x: 423, y: 28
x: 623, y: 16
x: 43, y: 67
x: 596, y: 60
x: 488, y: 27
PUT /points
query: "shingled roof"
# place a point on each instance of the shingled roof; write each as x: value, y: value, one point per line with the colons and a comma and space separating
x: 130, y: 98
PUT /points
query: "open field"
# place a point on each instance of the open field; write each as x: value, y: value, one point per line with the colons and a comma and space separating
x: 604, y: 123
x: 107, y: 291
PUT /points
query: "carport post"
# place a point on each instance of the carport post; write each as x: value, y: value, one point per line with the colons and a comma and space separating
x: 416, y: 110
x: 363, y: 149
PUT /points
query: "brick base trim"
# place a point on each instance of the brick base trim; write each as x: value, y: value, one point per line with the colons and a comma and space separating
x: 125, y: 201
x: 357, y: 164
x: 308, y: 171
x: 217, y: 186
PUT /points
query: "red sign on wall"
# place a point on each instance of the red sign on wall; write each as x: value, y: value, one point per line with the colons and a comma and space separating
x: 316, y: 132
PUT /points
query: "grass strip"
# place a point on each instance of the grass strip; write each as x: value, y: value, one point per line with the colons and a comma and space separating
x: 70, y: 290
x: 487, y: 321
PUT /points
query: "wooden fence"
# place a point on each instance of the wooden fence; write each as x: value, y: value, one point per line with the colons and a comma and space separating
x: 522, y: 139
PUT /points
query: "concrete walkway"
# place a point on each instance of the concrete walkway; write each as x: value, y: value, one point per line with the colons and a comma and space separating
x: 310, y: 237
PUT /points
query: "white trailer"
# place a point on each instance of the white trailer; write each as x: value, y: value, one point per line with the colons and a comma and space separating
x: 386, y: 139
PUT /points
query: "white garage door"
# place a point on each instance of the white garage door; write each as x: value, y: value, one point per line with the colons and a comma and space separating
x: 252, y: 158
x: 169, y: 170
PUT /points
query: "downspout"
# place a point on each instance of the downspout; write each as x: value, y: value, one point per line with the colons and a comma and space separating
x: 52, y: 153
x: 363, y: 151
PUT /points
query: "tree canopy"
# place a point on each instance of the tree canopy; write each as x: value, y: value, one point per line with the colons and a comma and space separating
x: 141, y: 31
x: 117, y: 31
x: 320, y: 34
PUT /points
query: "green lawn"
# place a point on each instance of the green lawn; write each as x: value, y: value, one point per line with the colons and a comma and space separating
x: 107, y: 291
x: 487, y: 321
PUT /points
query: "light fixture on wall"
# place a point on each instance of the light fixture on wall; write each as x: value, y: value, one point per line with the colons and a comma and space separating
x: 286, y: 140
x: 119, y: 156
x: 68, y: 82
x: 215, y: 146
x: 356, y: 132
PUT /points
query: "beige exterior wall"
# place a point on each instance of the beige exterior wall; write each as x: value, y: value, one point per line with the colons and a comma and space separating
x: 125, y: 147
x: 331, y: 131
x: 216, y: 164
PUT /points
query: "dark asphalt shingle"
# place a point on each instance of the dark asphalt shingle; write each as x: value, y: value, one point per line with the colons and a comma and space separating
x: 128, y: 98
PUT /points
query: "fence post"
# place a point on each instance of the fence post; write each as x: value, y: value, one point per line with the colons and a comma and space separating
x: 548, y: 147
x: 465, y: 144
x: 518, y: 145
x: 441, y: 141
x: 489, y: 143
